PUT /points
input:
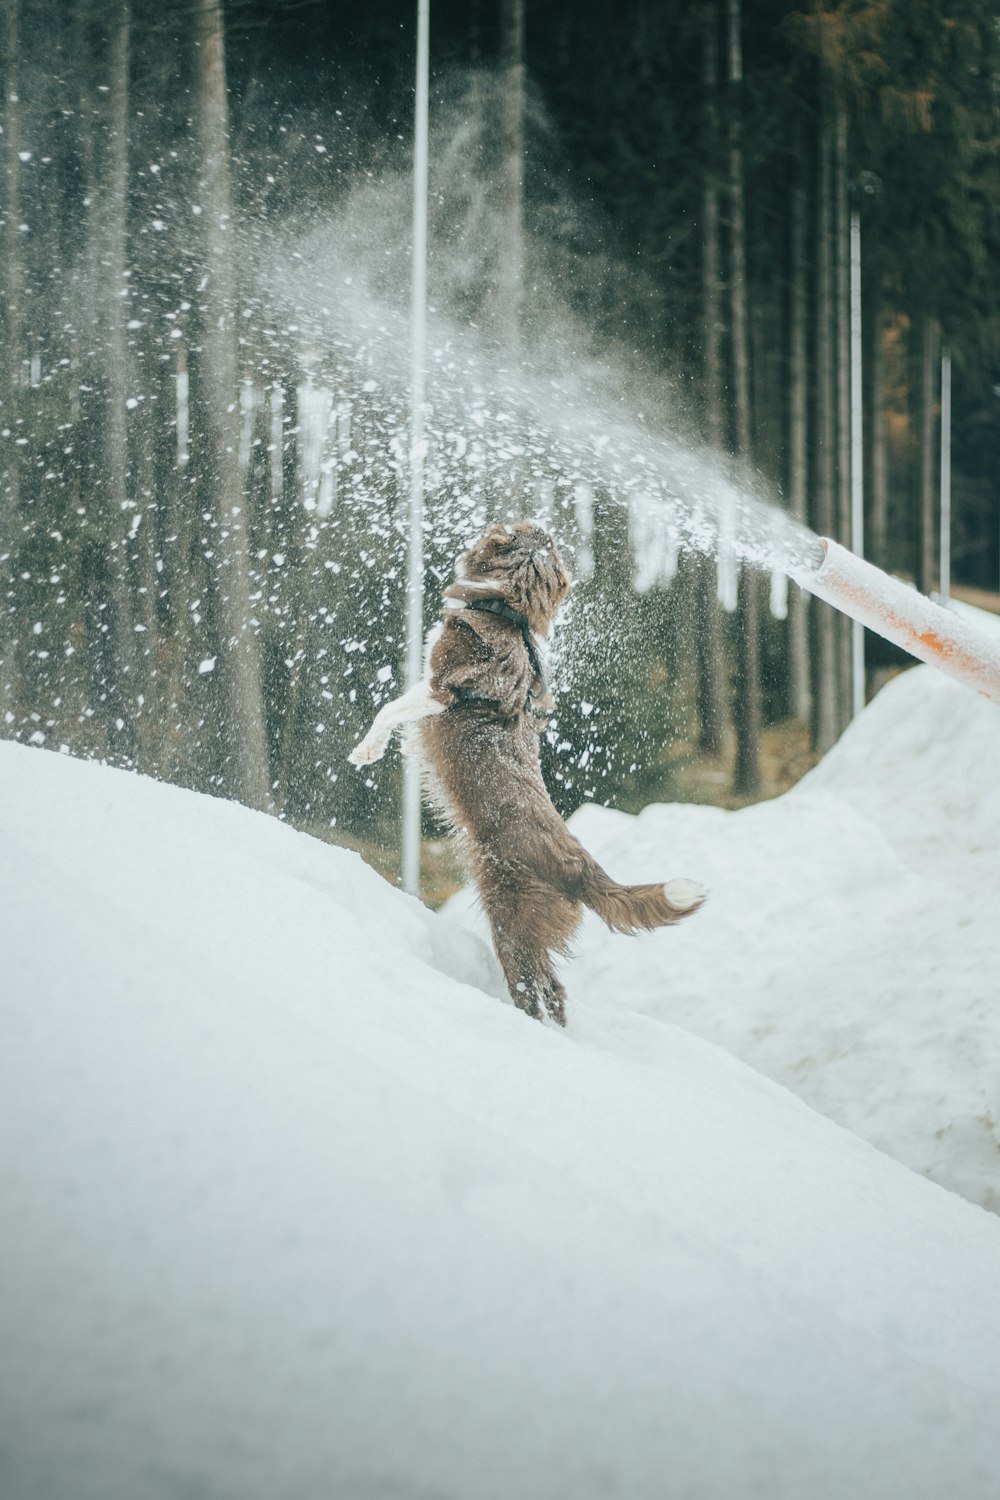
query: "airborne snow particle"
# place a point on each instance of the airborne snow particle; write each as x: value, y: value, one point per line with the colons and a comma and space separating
x: 208, y: 665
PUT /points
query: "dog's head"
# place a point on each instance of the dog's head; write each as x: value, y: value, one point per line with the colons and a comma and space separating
x: 522, y: 561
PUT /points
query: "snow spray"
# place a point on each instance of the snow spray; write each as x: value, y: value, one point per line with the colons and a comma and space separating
x: 547, y: 426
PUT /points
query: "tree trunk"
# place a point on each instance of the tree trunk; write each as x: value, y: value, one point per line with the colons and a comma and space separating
x: 711, y: 290
x: 708, y: 632
x: 800, y: 688
x: 10, y: 370
x: 927, y: 574
x: 878, y: 476
x: 122, y: 685
x: 826, y: 696
x: 512, y: 250
x: 746, y: 779
x: 842, y: 254
x: 244, y: 738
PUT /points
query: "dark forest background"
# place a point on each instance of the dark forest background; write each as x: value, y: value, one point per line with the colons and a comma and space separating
x: 202, y: 495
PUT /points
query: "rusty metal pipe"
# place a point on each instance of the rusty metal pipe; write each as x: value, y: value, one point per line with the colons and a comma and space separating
x: 905, y: 617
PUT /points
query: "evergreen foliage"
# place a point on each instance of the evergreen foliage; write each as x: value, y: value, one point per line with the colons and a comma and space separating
x: 160, y: 480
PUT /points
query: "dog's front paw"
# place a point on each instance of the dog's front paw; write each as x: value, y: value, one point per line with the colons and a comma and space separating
x: 368, y: 751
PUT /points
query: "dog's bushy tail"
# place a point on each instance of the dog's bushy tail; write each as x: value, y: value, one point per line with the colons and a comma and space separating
x: 639, y: 908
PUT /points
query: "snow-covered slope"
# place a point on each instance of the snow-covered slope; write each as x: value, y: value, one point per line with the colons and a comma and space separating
x: 851, y: 947
x: 293, y: 1210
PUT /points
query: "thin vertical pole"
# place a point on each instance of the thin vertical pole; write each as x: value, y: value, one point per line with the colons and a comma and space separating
x: 418, y: 336
x: 857, y: 463
x: 945, y: 477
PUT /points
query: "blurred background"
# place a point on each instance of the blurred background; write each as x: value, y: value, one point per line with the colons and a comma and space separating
x: 639, y: 231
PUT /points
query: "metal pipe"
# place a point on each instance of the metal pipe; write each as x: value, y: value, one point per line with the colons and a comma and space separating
x: 907, y: 618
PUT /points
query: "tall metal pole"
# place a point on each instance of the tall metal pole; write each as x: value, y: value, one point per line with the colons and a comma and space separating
x: 857, y: 462
x: 418, y: 374
x: 945, y: 588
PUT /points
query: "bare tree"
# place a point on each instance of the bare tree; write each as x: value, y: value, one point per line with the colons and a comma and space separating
x: 10, y: 370
x: 826, y: 696
x: 842, y: 262
x: 239, y: 681
x: 513, y: 91
x: 927, y: 572
x: 746, y: 779
x: 708, y: 633
x: 877, y: 487
x: 800, y: 688
x: 110, y: 224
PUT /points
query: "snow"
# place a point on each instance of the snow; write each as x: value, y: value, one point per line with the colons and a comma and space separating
x: 294, y: 1206
x: 850, y: 949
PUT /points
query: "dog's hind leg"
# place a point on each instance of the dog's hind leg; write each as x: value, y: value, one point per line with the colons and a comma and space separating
x: 527, y: 928
x: 533, y: 985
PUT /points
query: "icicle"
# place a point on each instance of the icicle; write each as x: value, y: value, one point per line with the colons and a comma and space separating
x: 668, y: 557
x: 277, y: 441
x: 642, y: 543
x: 728, y: 572
x: 544, y: 492
x: 248, y: 403
x: 583, y: 506
x: 315, y: 404
x: 182, y: 408
x: 327, y: 487
x: 779, y: 594
x: 343, y: 444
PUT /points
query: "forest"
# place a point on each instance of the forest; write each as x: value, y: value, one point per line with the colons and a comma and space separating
x: 638, y: 297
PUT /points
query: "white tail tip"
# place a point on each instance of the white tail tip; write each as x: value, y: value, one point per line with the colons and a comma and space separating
x: 684, y: 894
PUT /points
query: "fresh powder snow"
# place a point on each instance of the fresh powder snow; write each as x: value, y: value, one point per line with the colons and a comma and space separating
x: 297, y: 1207
x: 851, y: 946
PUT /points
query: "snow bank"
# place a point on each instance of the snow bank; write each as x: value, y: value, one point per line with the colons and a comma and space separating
x: 851, y: 947
x: 292, y: 1209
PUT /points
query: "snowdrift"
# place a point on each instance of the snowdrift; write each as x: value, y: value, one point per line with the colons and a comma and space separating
x: 294, y: 1208
x: 851, y: 946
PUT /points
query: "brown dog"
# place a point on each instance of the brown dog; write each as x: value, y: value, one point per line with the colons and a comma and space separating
x: 480, y: 711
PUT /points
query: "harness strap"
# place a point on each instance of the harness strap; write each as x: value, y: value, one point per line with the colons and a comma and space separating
x: 508, y: 612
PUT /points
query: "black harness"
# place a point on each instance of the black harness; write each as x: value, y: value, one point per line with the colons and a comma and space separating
x: 507, y: 612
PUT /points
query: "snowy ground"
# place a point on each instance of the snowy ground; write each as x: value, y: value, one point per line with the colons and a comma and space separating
x: 293, y: 1208
x: 851, y: 946
x: 851, y: 950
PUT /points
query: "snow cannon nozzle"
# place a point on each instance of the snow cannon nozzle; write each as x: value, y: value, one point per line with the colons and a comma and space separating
x: 904, y: 616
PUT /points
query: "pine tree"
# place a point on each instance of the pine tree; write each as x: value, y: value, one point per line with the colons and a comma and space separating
x: 12, y: 293
x: 800, y: 687
x: 746, y: 779
x: 512, y: 108
x: 242, y: 725
x: 708, y: 633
